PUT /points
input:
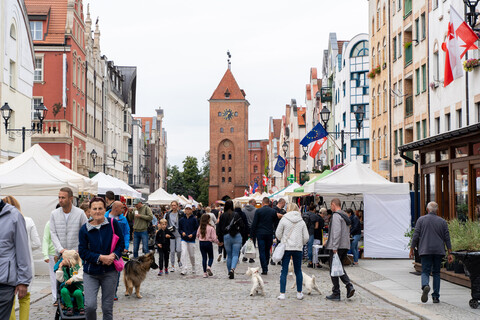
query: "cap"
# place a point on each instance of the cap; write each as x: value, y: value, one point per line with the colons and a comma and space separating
x: 188, y: 206
x: 137, y: 200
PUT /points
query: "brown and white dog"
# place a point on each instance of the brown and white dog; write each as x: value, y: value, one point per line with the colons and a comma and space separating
x: 136, y: 271
x: 257, y: 282
x: 308, y: 282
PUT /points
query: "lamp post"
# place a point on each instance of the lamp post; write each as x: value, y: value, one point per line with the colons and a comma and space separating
x: 114, y: 155
x: 359, y: 116
x: 285, y: 146
x: 40, y: 114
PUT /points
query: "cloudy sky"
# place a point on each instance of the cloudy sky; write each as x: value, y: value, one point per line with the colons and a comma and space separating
x: 179, y: 48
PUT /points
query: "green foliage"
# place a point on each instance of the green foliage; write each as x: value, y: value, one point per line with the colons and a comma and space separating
x: 175, y: 184
x: 409, y: 234
x: 204, y: 180
x: 464, y: 235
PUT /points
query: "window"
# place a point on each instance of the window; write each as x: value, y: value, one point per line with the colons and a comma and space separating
x: 424, y: 78
x: 400, y: 44
x: 360, y: 49
x: 74, y: 104
x: 219, y: 114
x: 384, y: 15
x: 400, y: 137
x: 373, y: 102
x: 343, y: 88
x: 36, y: 29
x: 344, y: 116
x: 424, y: 27
x: 229, y: 156
x: 255, y: 169
x: 400, y: 89
x: 399, y: 5
x: 35, y: 103
x: 229, y: 169
x: 236, y: 114
x: 447, y: 122
x: 223, y: 179
x: 13, y: 32
x: 223, y: 169
x: 417, y: 124
x: 385, y: 96
x: 373, y: 146
x: 221, y: 130
x: 394, y: 48
x: 417, y: 79
x: 395, y: 134
x: 385, y: 146
x: 424, y: 126
x: 231, y: 129
x: 417, y: 29
x: 459, y: 118
x: 74, y: 76
x: 12, y: 74
x: 435, y: 4
x: 255, y: 157
x: 373, y: 58
x: 229, y: 179
x: 223, y: 156
x: 379, y: 105
x: 437, y: 125
x: 379, y: 144
x: 477, y: 109
x: 38, y: 75
x: 436, y: 64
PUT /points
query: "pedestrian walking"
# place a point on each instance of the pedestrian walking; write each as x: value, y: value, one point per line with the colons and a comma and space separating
x: 15, y: 261
x: 355, y: 233
x: 162, y: 242
x: 293, y: 232
x: 312, y: 221
x: 229, y: 233
x: 95, y: 241
x: 213, y: 219
x: 430, y: 238
x: 173, y: 217
x: 109, y: 200
x: 188, y: 226
x: 206, y: 235
x: 263, y: 231
x: 249, y: 211
x: 338, y: 243
x: 143, y: 215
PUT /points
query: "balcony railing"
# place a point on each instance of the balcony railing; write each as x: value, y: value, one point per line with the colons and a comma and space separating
x: 408, y: 55
x: 408, y: 106
x: 407, y: 11
x: 326, y: 94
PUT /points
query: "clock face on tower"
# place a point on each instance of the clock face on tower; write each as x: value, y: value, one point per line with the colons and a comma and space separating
x: 228, y: 114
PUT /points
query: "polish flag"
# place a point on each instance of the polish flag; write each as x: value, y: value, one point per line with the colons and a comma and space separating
x: 465, y: 36
x: 250, y: 189
x: 265, y: 180
x: 316, y: 147
x: 246, y: 192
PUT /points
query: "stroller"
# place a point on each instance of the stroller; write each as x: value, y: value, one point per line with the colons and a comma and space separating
x: 60, y: 312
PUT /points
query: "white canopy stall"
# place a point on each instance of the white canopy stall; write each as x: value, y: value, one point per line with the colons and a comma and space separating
x: 34, y: 178
x: 161, y: 197
x: 282, y: 193
x: 386, y: 207
x: 117, y: 186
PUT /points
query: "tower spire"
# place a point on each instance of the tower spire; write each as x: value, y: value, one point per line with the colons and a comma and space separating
x: 229, y: 57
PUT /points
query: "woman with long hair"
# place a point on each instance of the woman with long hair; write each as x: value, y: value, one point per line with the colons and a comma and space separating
x: 206, y: 235
x: 229, y: 233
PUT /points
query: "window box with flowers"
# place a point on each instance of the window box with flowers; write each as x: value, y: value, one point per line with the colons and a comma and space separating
x: 377, y: 70
x: 371, y: 74
x: 469, y: 64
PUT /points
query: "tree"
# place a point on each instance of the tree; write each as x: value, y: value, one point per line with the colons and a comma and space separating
x: 204, y: 180
x: 191, y: 175
x: 175, y: 184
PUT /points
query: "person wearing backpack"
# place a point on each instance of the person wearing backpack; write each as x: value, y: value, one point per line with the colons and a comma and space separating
x: 229, y: 232
x: 312, y: 222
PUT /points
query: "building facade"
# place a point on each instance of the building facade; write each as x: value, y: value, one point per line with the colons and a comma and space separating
x: 274, y: 147
x: 257, y: 161
x: 17, y: 65
x: 229, y: 174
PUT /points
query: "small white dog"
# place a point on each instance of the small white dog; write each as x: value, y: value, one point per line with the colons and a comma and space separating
x: 308, y: 282
x: 257, y: 281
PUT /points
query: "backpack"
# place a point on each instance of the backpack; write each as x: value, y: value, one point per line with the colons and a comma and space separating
x: 234, y: 226
x: 308, y: 221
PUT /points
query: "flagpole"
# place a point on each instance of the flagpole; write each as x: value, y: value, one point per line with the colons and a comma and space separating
x: 467, y: 100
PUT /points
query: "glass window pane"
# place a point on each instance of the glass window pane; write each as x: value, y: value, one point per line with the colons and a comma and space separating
x: 476, y: 149
x: 461, y: 193
x: 461, y: 152
x: 430, y: 157
x: 476, y: 205
x: 429, y: 187
x: 444, y: 155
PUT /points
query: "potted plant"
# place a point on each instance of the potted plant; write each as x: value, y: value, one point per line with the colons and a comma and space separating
x: 465, y: 238
x: 371, y: 74
x: 469, y: 64
x: 378, y: 70
x: 407, y: 44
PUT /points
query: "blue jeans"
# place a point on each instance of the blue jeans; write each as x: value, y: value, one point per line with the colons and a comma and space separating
x: 232, y: 246
x: 431, y: 263
x: 354, y: 247
x: 297, y: 267
x: 310, y: 247
x: 265, y: 242
x: 206, y: 249
x: 137, y: 237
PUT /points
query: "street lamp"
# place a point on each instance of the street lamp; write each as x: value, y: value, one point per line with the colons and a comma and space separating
x: 324, y: 115
x: 471, y: 14
x: 40, y: 114
x: 114, y: 154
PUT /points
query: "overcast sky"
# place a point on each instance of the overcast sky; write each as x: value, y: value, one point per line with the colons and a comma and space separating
x: 179, y: 48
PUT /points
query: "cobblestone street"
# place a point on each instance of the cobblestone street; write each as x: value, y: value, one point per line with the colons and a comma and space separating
x: 193, y: 297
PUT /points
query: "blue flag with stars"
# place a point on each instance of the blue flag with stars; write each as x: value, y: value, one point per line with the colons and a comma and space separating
x: 280, y: 165
x: 317, y: 133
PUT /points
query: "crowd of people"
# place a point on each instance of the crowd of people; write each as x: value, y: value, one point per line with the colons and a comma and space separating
x: 82, y: 245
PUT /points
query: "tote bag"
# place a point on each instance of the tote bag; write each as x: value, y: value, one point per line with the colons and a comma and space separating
x: 119, y: 264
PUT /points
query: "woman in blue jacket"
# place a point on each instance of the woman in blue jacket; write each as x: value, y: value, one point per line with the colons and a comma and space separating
x: 95, y: 240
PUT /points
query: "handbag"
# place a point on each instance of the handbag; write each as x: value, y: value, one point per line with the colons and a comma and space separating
x: 280, y: 248
x: 336, y: 268
x: 119, y: 264
x: 232, y: 224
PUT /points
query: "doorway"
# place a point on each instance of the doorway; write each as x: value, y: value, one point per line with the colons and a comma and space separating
x: 444, y: 193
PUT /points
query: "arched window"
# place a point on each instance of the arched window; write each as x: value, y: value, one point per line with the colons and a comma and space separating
x: 373, y: 146
x: 229, y: 156
x: 379, y: 144
x: 229, y: 179
x: 379, y: 101
x: 360, y: 49
x: 223, y: 169
x: 223, y: 179
x: 373, y: 102
x: 255, y: 157
x: 373, y: 58
x: 231, y: 129
x: 379, y: 53
x: 255, y: 169
x: 384, y: 50
x: 384, y: 15
x: 378, y: 14
x: 223, y: 156
x: 13, y: 32
x: 385, y: 95
x: 385, y: 145
x: 221, y: 130
x: 219, y: 114
x: 229, y: 169
x: 373, y: 26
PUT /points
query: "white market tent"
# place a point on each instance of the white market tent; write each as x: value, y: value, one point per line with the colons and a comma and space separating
x: 161, y: 197
x: 386, y: 207
x: 34, y: 178
x: 282, y: 193
x: 117, y: 186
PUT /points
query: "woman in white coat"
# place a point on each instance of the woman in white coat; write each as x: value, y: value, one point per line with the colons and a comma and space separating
x: 33, y: 243
x: 293, y: 232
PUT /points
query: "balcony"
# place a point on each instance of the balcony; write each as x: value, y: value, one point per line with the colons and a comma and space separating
x: 407, y: 9
x: 408, y: 55
x: 408, y: 106
x: 54, y: 131
x: 326, y: 94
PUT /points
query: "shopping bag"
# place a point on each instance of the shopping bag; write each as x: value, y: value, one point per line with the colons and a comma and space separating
x: 279, y: 252
x: 336, y: 267
x: 242, y: 251
x: 250, y: 251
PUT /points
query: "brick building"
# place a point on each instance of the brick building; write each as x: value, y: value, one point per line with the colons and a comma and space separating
x: 257, y: 154
x: 229, y: 175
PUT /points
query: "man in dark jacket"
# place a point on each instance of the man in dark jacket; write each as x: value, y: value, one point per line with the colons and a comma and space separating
x: 312, y: 221
x: 430, y: 238
x: 262, y: 230
x: 187, y: 228
x: 355, y: 233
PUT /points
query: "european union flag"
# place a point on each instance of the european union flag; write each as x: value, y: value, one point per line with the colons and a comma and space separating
x: 317, y: 133
x: 280, y: 165
x: 255, y: 187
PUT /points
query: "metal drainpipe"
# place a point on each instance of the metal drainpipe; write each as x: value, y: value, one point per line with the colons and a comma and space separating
x: 415, y: 184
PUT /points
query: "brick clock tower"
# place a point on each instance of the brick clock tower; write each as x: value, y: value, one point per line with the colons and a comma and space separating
x: 228, y: 140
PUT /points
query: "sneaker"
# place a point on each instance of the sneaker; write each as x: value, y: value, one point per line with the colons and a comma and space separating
x: 81, y: 311
x: 425, y: 292
x: 436, y: 300
x: 69, y: 312
x: 166, y: 270
x: 205, y: 275
x: 310, y: 265
x: 251, y: 261
x: 209, y: 272
x: 264, y: 273
x: 272, y: 263
x: 182, y: 273
x: 160, y: 273
x: 219, y: 258
x: 350, y: 291
x: 172, y: 269
x: 281, y: 296
x: 231, y: 274
x: 299, y: 295
x: 333, y: 297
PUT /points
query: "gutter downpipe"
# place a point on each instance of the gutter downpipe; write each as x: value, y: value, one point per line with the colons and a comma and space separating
x: 416, y: 187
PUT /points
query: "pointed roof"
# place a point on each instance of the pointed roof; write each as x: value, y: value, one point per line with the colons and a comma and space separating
x: 228, y: 85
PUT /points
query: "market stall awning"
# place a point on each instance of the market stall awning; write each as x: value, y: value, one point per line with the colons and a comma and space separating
x: 312, y: 181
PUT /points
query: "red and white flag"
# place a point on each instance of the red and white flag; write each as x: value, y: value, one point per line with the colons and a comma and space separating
x: 465, y: 36
x: 265, y: 180
x: 250, y: 189
x: 316, y: 147
x: 246, y: 192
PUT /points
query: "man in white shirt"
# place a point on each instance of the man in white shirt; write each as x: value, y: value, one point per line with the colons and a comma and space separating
x: 65, y: 222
